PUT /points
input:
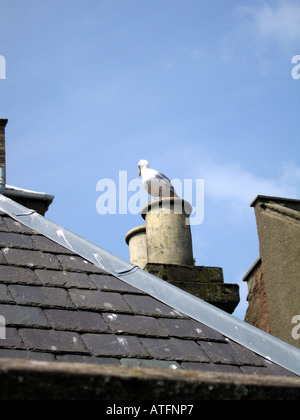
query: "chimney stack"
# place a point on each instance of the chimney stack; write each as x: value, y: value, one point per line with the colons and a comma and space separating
x: 3, y: 123
x: 163, y: 247
x: 36, y: 201
x: 273, y: 281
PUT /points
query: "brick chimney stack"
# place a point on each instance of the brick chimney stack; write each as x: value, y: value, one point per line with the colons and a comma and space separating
x: 3, y: 123
x: 37, y: 201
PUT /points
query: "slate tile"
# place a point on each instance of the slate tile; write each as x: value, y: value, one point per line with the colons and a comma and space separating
x: 47, y: 297
x: 18, y: 275
x: 46, y: 245
x: 78, y: 264
x: 112, y: 284
x: 66, y: 279
x: 3, y: 226
x: 219, y: 352
x: 14, y: 240
x: 223, y: 353
x: 28, y: 355
x: 231, y: 353
x: 96, y: 300
x: 52, y: 277
x: 114, y: 346
x: 92, y: 360
x: 81, y: 321
x: 17, y: 227
x: 2, y: 258
x: 53, y: 341
x: 21, y: 316
x: 255, y: 370
x: 279, y: 370
x: 135, y: 325
x: 271, y: 370
x: 151, y: 364
x: 174, y: 349
x: 247, y: 357
x: 32, y: 259
x: 12, y: 340
x: 146, y: 305
x: 210, y: 367
x: 188, y: 328
x: 5, y: 296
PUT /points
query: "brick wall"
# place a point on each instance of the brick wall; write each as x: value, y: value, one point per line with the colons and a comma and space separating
x: 2, y: 144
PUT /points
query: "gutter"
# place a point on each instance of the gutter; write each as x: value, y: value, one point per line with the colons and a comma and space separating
x: 12, y: 192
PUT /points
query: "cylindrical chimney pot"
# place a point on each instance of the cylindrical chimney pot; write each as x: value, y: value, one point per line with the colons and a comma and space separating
x: 168, y: 232
x: 136, y: 240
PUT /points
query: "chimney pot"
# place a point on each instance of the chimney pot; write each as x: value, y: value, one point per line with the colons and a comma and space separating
x: 168, y: 232
x: 136, y: 240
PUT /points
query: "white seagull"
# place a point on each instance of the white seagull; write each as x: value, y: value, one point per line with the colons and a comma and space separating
x: 155, y: 183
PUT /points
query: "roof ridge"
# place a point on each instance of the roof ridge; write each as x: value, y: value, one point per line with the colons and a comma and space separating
x: 245, y: 334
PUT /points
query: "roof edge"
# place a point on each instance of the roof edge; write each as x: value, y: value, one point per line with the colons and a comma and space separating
x: 267, y: 346
x: 266, y: 199
x: 257, y: 263
x: 12, y: 192
x: 60, y: 380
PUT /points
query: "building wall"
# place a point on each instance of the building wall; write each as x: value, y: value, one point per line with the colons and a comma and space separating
x: 279, y: 237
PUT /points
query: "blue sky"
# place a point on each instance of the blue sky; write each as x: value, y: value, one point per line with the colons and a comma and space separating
x: 202, y: 89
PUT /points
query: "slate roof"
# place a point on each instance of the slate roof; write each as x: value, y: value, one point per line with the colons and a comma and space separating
x: 60, y: 307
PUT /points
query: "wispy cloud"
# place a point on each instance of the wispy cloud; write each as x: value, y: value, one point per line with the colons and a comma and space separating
x: 235, y: 184
x: 232, y: 181
x: 274, y: 21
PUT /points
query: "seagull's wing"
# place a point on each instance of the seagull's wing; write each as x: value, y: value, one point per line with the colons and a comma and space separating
x: 158, y: 184
x: 162, y: 177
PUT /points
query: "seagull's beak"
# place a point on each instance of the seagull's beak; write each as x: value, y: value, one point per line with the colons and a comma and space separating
x: 140, y: 172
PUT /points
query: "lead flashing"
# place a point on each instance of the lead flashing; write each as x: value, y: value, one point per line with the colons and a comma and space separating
x: 245, y: 334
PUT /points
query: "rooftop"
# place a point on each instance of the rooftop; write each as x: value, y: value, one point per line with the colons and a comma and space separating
x: 67, y: 300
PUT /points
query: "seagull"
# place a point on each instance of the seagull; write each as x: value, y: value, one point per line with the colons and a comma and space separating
x: 155, y: 183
